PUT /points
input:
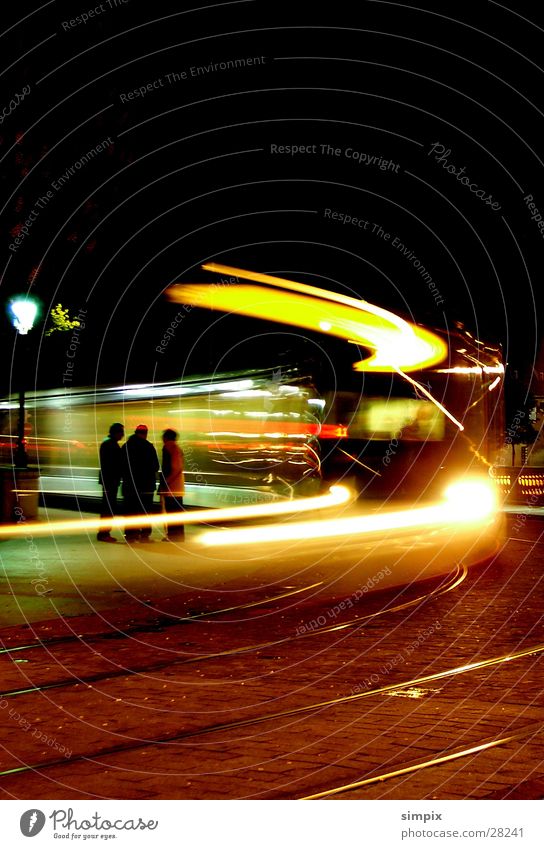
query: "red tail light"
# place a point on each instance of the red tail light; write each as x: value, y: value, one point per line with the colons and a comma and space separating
x: 334, y: 431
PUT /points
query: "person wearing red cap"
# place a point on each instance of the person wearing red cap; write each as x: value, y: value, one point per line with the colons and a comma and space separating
x: 140, y: 467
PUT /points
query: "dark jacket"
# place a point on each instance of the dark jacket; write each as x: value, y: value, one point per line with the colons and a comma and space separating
x: 111, y: 462
x: 140, y: 465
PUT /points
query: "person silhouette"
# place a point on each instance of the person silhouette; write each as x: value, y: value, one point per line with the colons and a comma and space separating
x: 140, y: 467
x: 172, y: 486
x: 110, y: 477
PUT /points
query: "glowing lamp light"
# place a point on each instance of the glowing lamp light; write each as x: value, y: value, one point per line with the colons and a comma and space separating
x: 475, y: 498
x: 22, y: 312
x: 466, y: 502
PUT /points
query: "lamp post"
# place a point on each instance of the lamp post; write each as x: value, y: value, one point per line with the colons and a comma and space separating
x: 22, y: 311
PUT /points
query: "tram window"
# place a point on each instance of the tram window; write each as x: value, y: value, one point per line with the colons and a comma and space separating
x: 409, y: 419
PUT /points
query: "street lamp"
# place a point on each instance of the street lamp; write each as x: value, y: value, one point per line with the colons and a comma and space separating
x: 22, y: 311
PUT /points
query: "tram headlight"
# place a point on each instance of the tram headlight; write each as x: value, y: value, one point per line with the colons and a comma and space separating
x: 471, y: 499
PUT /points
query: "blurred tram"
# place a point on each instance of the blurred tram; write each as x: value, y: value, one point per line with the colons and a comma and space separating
x: 397, y: 437
x: 284, y: 432
x: 246, y: 439
x: 416, y: 452
x: 412, y: 429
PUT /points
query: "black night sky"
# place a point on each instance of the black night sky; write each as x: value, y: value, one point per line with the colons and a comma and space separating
x: 139, y: 140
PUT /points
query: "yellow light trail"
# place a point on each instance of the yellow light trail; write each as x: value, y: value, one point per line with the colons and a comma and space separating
x: 395, y: 343
x: 399, y: 346
x: 337, y: 495
x: 467, y: 502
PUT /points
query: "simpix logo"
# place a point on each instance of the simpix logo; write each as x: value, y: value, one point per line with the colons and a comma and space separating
x: 32, y: 822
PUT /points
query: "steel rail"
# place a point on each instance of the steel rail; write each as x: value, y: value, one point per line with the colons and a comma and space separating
x: 73, y: 681
x: 444, y: 757
x: 283, y: 714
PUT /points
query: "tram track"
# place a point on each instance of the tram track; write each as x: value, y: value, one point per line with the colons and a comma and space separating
x: 446, y: 756
x: 454, y: 581
x: 528, y: 541
x: 167, y: 621
x: 313, y: 707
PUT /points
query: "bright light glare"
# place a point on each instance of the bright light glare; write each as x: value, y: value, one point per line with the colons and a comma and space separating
x: 476, y: 498
x: 466, y: 502
x: 336, y: 495
x: 23, y: 314
x: 252, y: 393
x: 496, y: 369
x: 174, y: 391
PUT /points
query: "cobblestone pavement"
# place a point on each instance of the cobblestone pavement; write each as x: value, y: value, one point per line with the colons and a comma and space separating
x: 288, y: 698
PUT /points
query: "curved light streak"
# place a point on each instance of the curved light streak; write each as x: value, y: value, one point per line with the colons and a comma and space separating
x: 337, y: 495
x: 398, y: 345
x: 395, y: 343
x: 466, y: 502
